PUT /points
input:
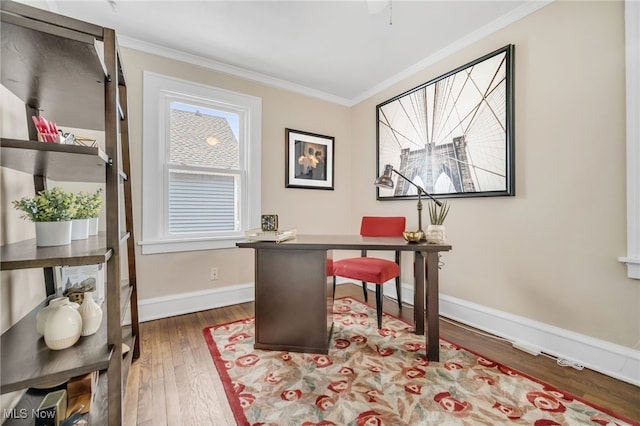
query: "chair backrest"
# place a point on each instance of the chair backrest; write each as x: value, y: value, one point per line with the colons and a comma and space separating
x: 382, y: 226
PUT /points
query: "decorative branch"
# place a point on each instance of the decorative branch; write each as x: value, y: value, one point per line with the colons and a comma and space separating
x: 437, y: 214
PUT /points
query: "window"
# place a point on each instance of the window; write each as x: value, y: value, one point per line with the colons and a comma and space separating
x: 201, y: 165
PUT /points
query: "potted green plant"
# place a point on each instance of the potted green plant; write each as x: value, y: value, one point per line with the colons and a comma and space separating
x: 80, y: 219
x: 94, y: 203
x: 85, y: 220
x: 51, y: 210
x: 436, y: 232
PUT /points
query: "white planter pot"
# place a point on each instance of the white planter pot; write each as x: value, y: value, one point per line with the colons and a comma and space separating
x: 79, y: 229
x: 93, y: 226
x: 53, y: 233
x: 435, y: 234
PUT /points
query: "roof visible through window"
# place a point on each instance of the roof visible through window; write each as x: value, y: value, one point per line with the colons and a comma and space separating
x: 203, y: 137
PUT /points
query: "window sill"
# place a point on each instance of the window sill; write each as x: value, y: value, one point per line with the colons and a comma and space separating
x: 191, y: 244
x: 633, y: 266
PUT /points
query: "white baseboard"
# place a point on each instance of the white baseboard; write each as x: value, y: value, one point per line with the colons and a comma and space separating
x: 186, y: 303
x: 608, y: 358
x: 616, y: 361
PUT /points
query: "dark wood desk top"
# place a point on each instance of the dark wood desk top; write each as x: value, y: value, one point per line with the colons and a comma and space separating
x: 345, y: 242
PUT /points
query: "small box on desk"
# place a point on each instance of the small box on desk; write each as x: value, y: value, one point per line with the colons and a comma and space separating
x: 53, y: 409
x: 80, y: 393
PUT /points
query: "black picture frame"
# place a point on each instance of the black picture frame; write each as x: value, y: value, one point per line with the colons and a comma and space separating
x: 453, y: 135
x: 309, y: 160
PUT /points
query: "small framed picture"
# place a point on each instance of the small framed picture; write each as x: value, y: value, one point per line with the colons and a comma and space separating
x: 309, y: 160
x: 74, y: 281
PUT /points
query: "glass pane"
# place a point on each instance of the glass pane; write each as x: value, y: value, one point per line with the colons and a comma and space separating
x: 204, y: 137
x: 202, y: 202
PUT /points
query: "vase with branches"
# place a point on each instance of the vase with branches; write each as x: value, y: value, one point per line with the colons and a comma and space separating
x: 436, y: 232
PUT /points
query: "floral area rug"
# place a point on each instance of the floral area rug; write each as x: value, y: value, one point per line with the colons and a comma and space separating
x: 382, y: 377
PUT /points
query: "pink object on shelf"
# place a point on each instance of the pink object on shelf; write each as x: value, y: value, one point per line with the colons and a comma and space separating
x: 47, y: 130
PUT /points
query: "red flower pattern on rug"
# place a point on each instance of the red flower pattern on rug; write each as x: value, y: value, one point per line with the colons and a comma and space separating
x: 381, y: 377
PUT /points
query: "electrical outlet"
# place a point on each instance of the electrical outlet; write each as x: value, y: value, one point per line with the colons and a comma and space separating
x: 214, y: 274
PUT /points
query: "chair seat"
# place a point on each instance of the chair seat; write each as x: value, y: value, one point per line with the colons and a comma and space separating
x: 367, y: 269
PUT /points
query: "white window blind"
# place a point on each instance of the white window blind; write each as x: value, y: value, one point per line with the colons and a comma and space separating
x: 202, y: 202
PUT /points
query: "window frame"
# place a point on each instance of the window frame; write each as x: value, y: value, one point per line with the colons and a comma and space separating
x: 158, y: 93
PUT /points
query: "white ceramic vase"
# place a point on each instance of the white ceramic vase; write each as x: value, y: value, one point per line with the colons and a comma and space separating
x: 91, y: 314
x: 43, y: 314
x: 53, y: 233
x: 93, y: 226
x: 63, y: 326
x: 79, y: 229
x: 435, y: 234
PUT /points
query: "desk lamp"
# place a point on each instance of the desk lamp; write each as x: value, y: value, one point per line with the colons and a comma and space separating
x: 385, y: 181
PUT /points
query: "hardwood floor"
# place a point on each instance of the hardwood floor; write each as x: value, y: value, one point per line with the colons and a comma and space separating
x: 175, y: 382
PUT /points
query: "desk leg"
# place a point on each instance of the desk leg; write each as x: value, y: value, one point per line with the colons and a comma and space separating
x: 433, y: 309
x: 418, y: 292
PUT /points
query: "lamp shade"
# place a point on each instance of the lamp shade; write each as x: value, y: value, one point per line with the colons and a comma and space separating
x: 385, y: 181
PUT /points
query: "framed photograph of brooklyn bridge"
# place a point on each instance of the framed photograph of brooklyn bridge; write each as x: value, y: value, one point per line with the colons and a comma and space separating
x: 453, y: 136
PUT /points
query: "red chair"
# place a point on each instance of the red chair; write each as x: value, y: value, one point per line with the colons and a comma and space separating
x: 373, y: 269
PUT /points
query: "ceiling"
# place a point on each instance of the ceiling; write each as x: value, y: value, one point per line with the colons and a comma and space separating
x: 342, y: 51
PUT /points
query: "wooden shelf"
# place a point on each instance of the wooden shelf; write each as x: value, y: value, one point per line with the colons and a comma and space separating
x: 25, y: 254
x: 69, y: 163
x: 28, y: 362
x: 69, y: 71
x: 98, y: 414
x: 55, y: 70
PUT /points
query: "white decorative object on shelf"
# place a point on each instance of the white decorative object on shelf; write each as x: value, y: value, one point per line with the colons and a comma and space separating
x: 275, y: 236
x: 79, y: 229
x: 43, y: 314
x: 91, y: 314
x: 50, y: 234
x: 63, y: 326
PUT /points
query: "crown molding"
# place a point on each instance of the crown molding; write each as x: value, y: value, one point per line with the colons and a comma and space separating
x: 235, y: 71
x: 505, y: 20
x: 456, y: 46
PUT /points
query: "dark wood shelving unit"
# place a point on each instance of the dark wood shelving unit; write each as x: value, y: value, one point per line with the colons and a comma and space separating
x: 28, y: 362
x: 67, y: 163
x: 70, y: 71
x: 24, y: 254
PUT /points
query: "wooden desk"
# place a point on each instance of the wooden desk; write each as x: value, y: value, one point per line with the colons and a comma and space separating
x: 294, y: 297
